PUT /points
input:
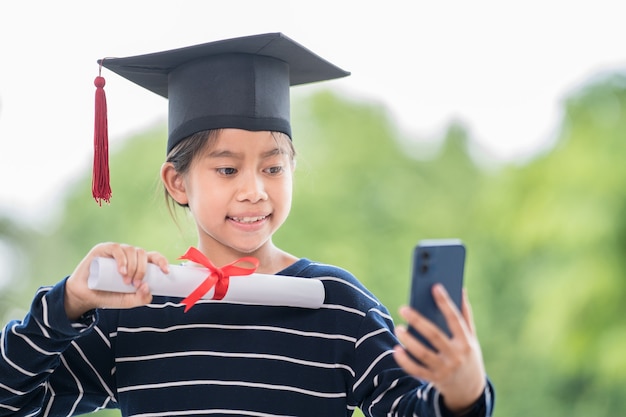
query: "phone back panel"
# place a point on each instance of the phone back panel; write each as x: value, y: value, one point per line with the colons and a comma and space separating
x: 437, y: 261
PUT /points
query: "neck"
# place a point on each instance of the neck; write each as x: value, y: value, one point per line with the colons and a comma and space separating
x: 271, y: 259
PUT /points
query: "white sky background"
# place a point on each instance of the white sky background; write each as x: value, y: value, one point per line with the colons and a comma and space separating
x: 501, y: 68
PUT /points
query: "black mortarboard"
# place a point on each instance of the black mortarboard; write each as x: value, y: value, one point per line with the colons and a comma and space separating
x: 234, y: 83
x: 239, y: 83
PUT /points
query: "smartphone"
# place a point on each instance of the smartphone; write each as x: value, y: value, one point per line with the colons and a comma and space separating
x: 436, y: 261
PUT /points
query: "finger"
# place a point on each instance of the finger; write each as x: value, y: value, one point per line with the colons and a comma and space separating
x: 159, y: 260
x: 411, y: 367
x: 427, y: 329
x: 131, y: 261
x: 137, y: 261
x: 468, y: 315
x: 143, y: 295
x: 418, y: 350
x: 142, y: 266
x: 449, y: 310
x: 116, y: 251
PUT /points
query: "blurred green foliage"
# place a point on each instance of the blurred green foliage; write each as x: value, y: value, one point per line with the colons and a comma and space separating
x: 546, y: 239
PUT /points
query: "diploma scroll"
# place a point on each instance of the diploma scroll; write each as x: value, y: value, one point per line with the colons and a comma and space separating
x: 259, y: 289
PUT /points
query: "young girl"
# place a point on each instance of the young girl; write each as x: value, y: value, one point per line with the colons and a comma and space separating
x: 231, y: 162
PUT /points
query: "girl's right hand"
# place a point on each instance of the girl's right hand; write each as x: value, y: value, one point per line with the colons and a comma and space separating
x: 131, y: 264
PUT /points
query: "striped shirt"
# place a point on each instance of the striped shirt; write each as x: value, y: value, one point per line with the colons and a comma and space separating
x: 218, y: 359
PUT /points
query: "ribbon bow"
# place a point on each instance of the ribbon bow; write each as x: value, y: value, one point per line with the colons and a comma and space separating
x: 218, y: 277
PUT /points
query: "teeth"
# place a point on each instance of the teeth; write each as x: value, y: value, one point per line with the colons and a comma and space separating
x: 248, y: 219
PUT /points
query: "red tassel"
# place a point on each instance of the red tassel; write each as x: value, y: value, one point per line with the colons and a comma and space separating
x: 100, y: 187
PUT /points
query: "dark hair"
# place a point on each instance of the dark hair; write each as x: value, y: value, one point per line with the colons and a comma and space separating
x: 185, y: 152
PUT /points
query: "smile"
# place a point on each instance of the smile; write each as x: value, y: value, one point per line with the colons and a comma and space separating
x: 248, y: 219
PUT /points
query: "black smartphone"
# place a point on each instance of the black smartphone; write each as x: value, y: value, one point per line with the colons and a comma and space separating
x: 436, y: 261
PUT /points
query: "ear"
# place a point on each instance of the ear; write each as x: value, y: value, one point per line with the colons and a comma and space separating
x: 174, y: 183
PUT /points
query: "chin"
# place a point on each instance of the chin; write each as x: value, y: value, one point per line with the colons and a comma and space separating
x: 248, y: 250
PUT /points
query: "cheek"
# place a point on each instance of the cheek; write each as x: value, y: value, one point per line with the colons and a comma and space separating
x: 286, y: 192
x: 200, y: 193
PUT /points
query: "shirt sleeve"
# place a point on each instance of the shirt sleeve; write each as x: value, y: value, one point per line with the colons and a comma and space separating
x: 382, y: 388
x: 45, y: 361
x: 483, y: 407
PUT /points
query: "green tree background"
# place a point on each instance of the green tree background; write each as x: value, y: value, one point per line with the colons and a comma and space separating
x: 546, y: 239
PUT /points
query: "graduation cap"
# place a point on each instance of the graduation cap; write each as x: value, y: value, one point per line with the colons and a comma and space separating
x: 234, y: 83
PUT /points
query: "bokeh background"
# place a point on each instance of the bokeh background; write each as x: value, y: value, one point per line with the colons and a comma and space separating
x: 545, y: 232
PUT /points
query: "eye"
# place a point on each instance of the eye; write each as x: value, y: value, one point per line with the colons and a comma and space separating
x: 226, y: 171
x: 275, y: 170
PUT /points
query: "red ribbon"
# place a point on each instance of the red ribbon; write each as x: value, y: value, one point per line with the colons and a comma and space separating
x: 218, y: 277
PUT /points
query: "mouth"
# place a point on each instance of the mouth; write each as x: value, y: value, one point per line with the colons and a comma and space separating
x: 248, y: 219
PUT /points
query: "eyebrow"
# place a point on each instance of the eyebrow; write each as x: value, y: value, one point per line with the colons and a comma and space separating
x: 225, y: 153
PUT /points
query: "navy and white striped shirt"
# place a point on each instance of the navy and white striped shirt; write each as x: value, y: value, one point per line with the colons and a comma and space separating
x: 218, y: 359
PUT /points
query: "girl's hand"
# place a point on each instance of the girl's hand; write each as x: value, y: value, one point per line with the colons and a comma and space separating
x: 456, y: 368
x: 131, y: 264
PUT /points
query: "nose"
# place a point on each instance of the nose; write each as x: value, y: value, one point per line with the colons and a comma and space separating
x: 251, y: 188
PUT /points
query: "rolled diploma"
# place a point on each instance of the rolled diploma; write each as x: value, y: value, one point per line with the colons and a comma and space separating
x: 260, y: 289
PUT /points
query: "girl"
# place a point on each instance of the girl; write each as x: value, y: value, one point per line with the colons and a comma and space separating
x: 230, y: 162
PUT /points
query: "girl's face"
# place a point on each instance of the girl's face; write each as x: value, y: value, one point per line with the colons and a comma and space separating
x: 239, y: 191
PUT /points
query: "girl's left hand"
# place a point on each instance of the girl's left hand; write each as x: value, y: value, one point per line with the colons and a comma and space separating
x: 456, y: 368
